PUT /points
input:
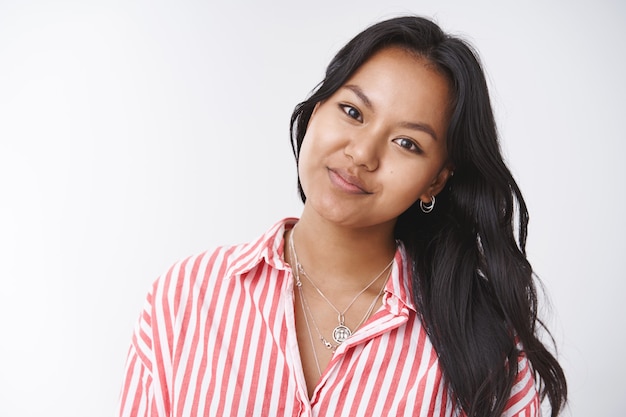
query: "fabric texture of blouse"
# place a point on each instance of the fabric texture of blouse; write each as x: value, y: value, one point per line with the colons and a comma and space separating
x: 217, y: 337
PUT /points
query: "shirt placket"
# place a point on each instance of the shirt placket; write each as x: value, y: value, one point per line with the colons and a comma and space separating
x: 388, y: 318
x: 292, y: 350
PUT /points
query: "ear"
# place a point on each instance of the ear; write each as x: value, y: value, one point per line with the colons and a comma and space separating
x: 438, y: 183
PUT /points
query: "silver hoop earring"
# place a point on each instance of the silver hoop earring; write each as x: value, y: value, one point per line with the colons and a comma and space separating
x: 427, y: 208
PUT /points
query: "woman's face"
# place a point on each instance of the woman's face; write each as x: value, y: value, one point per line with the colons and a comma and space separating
x: 378, y: 143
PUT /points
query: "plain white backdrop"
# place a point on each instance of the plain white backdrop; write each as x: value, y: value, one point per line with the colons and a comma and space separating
x: 135, y: 133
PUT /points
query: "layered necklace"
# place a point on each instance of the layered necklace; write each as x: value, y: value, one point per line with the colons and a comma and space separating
x: 341, y: 332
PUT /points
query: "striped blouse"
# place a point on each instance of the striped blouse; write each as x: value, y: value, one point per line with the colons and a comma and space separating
x: 217, y: 337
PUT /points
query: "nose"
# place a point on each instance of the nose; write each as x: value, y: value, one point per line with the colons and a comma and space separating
x: 363, y: 150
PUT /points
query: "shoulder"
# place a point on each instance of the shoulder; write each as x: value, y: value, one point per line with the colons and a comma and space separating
x: 197, y: 269
x: 193, y: 276
x: 524, y: 399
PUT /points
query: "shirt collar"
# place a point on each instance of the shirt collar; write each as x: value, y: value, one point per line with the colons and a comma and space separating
x: 269, y: 248
x: 399, y: 283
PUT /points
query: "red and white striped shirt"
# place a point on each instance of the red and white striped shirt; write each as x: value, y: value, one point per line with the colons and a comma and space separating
x: 217, y: 337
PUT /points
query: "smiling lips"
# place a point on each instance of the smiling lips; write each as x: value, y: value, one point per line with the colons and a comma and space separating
x: 347, y: 182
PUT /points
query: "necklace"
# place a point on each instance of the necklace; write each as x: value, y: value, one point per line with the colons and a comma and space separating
x: 306, y: 320
x: 341, y: 332
x: 306, y: 308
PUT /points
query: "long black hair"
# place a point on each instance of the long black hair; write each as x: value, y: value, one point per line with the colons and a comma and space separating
x: 472, y: 284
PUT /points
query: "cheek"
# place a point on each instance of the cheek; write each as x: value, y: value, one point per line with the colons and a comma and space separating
x: 407, y: 196
x: 306, y: 150
x: 317, y: 146
x: 408, y: 185
x: 306, y: 161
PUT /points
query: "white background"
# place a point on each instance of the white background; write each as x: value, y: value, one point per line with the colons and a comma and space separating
x: 134, y: 133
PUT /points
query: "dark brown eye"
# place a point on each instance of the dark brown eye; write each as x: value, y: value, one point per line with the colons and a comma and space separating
x: 408, y: 144
x: 351, y: 112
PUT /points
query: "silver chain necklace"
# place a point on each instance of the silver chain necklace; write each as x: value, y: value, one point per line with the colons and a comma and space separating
x: 308, y: 327
x: 306, y: 308
x: 341, y: 332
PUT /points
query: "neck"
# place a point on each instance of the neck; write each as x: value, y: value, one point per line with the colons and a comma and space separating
x: 342, y: 258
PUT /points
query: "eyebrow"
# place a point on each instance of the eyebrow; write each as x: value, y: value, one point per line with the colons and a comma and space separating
x: 421, y: 127
x: 357, y: 90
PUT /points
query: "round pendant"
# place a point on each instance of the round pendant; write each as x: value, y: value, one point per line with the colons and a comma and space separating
x: 341, y: 333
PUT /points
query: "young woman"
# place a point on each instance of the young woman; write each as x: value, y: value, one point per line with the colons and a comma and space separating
x: 403, y: 289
